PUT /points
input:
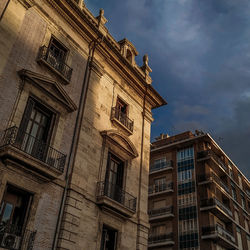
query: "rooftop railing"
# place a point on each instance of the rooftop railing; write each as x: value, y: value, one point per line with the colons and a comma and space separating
x: 216, y: 202
x: 55, y: 62
x: 160, y: 166
x: 33, y: 147
x: 160, y: 187
x: 117, y: 194
x: 122, y: 118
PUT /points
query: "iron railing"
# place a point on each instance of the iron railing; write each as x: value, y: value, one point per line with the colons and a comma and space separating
x: 159, y: 238
x: 56, y: 63
x: 160, y: 211
x: 210, y: 153
x: 160, y: 166
x: 116, y: 193
x: 216, y: 202
x: 122, y: 118
x: 213, y: 177
x: 160, y: 187
x: 34, y: 147
x: 12, y: 237
x: 220, y: 231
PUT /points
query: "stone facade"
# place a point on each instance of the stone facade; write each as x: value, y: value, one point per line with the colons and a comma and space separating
x: 75, y: 130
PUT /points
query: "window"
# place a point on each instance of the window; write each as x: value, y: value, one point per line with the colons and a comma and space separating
x: 14, y: 210
x: 184, y: 154
x: 35, y: 129
x: 243, y: 201
x: 234, y: 194
x: 240, y: 180
x: 109, y: 238
x: 56, y: 54
x: 159, y: 164
x: 121, y: 106
x: 185, y: 175
x: 236, y: 216
x: 160, y: 184
x: 114, y: 178
x: 239, y: 238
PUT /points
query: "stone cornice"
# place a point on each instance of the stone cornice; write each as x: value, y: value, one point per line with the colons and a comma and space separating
x: 87, y: 25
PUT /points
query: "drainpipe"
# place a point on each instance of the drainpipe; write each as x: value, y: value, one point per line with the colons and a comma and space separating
x: 141, y: 159
x: 5, y: 8
x: 75, y: 139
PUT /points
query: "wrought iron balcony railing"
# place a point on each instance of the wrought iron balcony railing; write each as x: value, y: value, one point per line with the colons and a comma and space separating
x: 160, y: 188
x: 122, y: 118
x: 207, y: 153
x: 160, y: 211
x: 56, y: 63
x: 159, y: 238
x: 160, y: 166
x: 117, y: 194
x: 11, y: 237
x: 220, y: 231
x: 213, y: 177
x: 216, y: 202
x: 34, y: 147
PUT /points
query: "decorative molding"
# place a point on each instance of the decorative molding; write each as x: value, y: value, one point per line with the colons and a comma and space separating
x: 50, y: 87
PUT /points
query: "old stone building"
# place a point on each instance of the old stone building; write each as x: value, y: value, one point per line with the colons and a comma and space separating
x: 75, y: 113
x: 198, y: 198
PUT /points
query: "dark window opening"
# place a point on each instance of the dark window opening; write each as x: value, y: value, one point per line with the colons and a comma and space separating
x: 57, y: 50
x: 114, y: 178
x: 35, y: 129
x: 14, y: 211
x: 129, y: 56
x: 109, y: 238
x: 121, y: 106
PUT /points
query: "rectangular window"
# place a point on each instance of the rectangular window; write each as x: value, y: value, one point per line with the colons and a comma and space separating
x: 56, y: 54
x: 114, y: 178
x: 121, y: 106
x: 109, y: 238
x: 35, y: 129
x: 234, y: 194
x: 14, y: 211
x: 243, y: 201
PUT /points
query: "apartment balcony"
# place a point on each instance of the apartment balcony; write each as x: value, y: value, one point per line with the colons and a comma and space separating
x: 122, y: 120
x: 27, y: 151
x: 212, y: 177
x: 220, y: 235
x: 160, y: 189
x: 161, y: 213
x: 14, y: 239
x: 217, y: 208
x: 159, y: 167
x: 160, y: 240
x: 115, y: 199
x: 209, y: 154
x: 58, y: 66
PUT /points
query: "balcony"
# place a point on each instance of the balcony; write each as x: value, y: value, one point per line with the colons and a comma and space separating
x: 122, y: 120
x: 28, y: 151
x: 57, y: 65
x: 212, y: 177
x: 158, y: 167
x: 160, y: 240
x: 162, y: 188
x: 14, y: 239
x: 219, y: 235
x: 160, y: 213
x: 209, y: 154
x: 115, y: 199
x: 218, y: 208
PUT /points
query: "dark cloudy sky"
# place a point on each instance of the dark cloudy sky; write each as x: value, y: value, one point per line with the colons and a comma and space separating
x: 200, y: 55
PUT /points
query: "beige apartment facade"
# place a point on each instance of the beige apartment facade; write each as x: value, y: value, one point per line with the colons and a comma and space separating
x: 198, y: 198
x: 75, y: 113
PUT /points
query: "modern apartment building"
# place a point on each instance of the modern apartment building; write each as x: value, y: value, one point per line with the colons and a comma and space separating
x: 75, y: 112
x: 198, y: 198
